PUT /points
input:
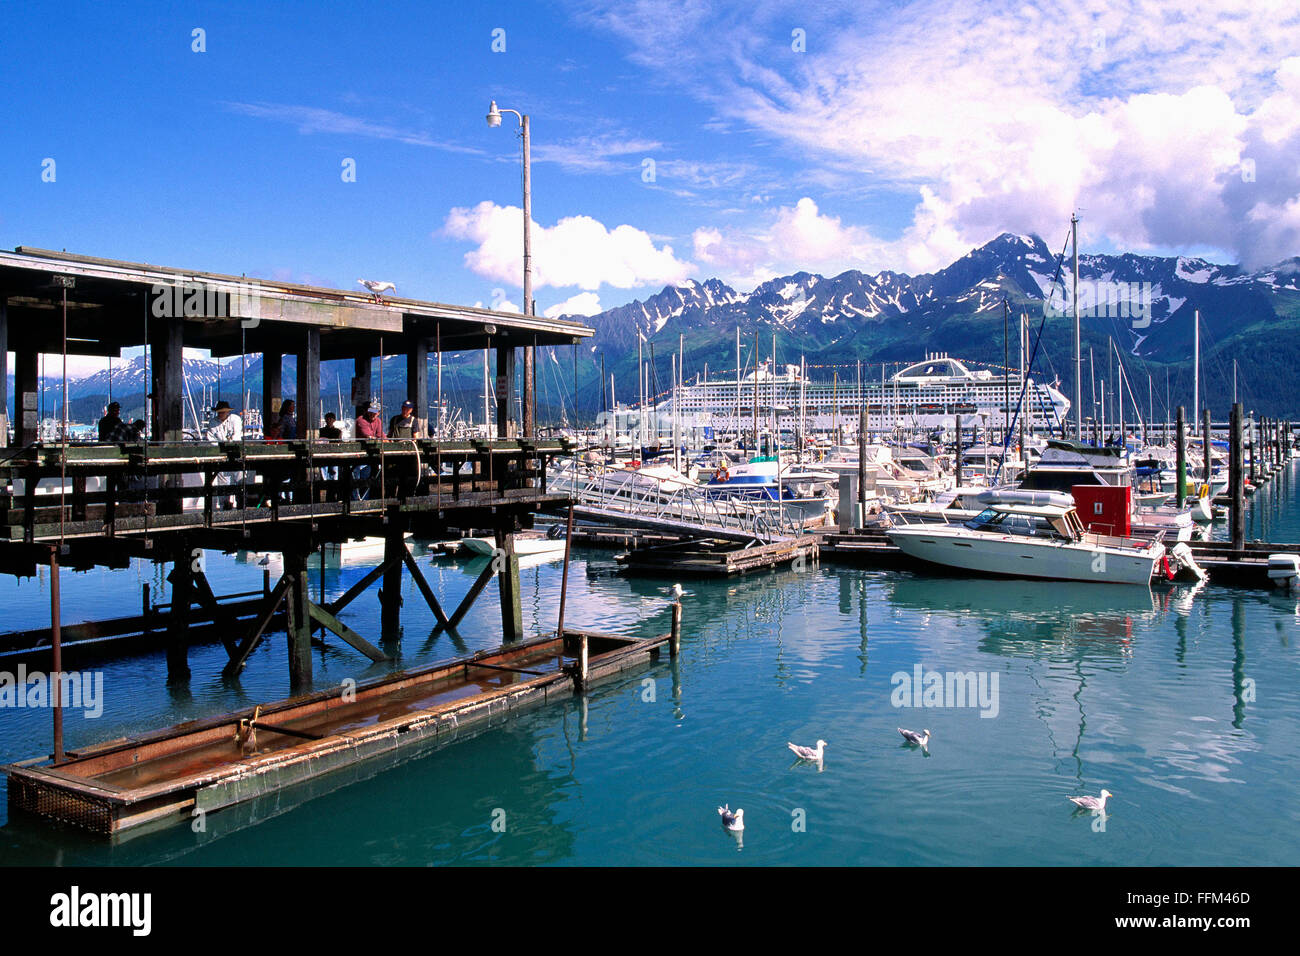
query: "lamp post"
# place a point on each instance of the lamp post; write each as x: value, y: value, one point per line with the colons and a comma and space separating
x: 494, y: 120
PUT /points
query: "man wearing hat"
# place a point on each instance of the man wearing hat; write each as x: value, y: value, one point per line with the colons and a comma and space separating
x: 403, y: 424
x: 369, y: 424
x: 229, y: 427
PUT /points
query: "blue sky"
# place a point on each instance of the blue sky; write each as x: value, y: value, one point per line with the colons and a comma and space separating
x: 783, y: 136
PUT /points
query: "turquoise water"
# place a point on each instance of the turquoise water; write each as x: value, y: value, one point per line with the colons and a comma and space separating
x: 1182, y: 701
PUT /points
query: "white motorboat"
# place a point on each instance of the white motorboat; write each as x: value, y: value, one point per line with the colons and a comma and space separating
x: 527, y: 544
x: 1029, y: 534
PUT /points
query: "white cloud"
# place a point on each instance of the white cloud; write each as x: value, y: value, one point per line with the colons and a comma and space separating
x: 999, y: 116
x: 577, y: 251
x: 584, y: 303
x: 798, y: 237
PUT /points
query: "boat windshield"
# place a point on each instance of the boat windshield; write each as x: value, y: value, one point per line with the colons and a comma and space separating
x: 1008, y: 522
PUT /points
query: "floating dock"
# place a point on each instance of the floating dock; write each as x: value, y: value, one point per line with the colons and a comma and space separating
x: 718, y: 558
x: 172, y: 775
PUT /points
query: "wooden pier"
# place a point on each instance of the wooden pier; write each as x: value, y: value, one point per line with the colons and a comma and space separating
x: 157, y: 496
x: 709, y: 558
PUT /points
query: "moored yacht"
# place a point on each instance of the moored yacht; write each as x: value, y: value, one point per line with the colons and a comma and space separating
x: 1033, y: 535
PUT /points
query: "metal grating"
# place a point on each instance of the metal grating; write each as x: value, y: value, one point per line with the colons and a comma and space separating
x: 57, y: 803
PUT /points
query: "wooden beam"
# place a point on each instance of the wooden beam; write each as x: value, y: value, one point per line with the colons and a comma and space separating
x: 181, y: 579
x: 26, y: 397
x: 353, y: 592
x: 505, y: 389
x: 168, y: 386
x: 468, y: 600
x: 423, y: 585
x: 249, y: 644
x: 390, y: 595
x: 345, y: 633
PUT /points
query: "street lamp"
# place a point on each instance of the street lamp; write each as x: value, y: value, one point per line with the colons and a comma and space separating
x: 494, y: 120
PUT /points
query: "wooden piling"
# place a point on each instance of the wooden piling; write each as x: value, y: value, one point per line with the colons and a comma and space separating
x: 298, y: 624
x: 1180, y: 445
x: 182, y: 582
x: 1236, y: 480
x: 564, y: 575
x: 512, y: 612
x: 391, y: 591
x: 675, y: 635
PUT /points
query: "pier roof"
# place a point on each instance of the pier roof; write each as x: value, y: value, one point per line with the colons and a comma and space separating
x: 113, y: 305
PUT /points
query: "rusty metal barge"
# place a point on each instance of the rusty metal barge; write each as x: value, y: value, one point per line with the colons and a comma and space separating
x: 174, y: 775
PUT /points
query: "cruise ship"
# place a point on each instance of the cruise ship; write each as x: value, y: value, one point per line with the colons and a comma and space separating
x: 926, y: 394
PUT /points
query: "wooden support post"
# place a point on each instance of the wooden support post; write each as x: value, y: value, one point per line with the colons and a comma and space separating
x: 169, y: 388
x: 675, y: 635
x: 361, y: 384
x: 1180, y: 457
x: 27, y: 423
x: 371, y: 576
x: 505, y: 392
x: 298, y: 625
x: 512, y: 613
x: 584, y: 657
x: 390, y: 595
x: 4, y: 369
x: 309, y: 385
x: 272, y: 387
x: 1254, y: 452
x: 417, y: 384
x: 1236, y: 481
x: 182, y: 582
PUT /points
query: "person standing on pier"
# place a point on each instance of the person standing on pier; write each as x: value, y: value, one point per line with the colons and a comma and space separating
x: 288, y: 420
x: 368, y: 425
x: 330, y: 431
x: 111, y: 426
x: 404, y: 424
x: 229, y: 428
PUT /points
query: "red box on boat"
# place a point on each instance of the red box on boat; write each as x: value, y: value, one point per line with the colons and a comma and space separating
x: 1104, y: 509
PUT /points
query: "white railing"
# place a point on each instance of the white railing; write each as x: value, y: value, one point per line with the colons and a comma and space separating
x: 621, y: 491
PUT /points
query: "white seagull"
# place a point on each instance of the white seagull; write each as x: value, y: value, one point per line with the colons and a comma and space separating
x: 730, y: 820
x: 377, y: 289
x: 808, y: 753
x: 912, y: 737
x: 676, y: 591
x: 1092, y: 803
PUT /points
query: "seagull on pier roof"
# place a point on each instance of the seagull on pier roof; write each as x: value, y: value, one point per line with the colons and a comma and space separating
x: 912, y: 737
x: 1092, y: 803
x: 730, y: 820
x: 377, y: 289
x: 808, y: 753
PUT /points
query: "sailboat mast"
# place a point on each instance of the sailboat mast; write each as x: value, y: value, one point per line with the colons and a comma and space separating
x: 1078, y: 349
x: 1196, y: 362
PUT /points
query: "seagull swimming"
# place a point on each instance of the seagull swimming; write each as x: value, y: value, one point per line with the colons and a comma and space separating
x: 1092, y: 803
x: 912, y: 737
x: 378, y: 288
x: 730, y: 820
x: 808, y: 753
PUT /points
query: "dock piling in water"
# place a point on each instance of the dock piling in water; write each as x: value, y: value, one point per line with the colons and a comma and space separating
x: 1180, y: 445
x: 1236, y: 479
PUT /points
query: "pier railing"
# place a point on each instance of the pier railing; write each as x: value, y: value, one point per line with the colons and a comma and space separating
x: 56, y: 491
